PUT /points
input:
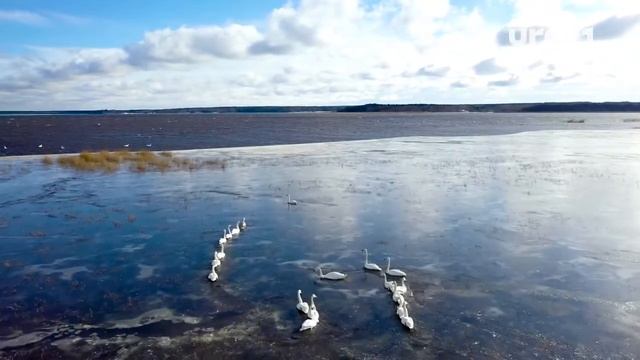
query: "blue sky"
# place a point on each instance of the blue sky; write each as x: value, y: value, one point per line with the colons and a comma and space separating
x: 110, y: 24
x: 110, y: 54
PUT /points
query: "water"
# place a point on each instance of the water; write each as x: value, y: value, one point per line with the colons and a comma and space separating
x: 74, y: 133
x: 516, y: 246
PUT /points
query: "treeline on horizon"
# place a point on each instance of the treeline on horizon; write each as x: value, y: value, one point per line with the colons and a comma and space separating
x: 515, y: 107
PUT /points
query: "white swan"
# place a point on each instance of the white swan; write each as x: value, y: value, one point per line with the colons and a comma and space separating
x: 309, y: 324
x: 334, y: 275
x: 394, y: 272
x: 398, y: 297
x: 215, y: 263
x: 406, y: 320
x: 400, y: 309
x: 313, y: 312
x: 227, y: 234
x: 402, y: 288
x: 221, y: 254
x: 235, y: 232
x: 223, y: 239
x: 212, y: 275
x: 302, y: 305
x: 243, y: 224
x: 367, y: 264
x: 389, y: 285
x: 291, y: 202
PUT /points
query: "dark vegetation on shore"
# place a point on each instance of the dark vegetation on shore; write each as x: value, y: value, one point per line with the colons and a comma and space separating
x: 511, y: 107
x: 139, y: 161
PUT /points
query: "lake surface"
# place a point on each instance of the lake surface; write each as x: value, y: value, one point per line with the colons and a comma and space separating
x: 516, y: 246
x: 23, y: 135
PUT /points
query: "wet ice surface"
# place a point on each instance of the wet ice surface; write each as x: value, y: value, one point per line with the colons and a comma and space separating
x: 516, y: 246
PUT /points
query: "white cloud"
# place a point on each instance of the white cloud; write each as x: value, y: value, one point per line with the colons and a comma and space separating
x: 312, y: 52
x: 187, y: 44
x: 23, y: 17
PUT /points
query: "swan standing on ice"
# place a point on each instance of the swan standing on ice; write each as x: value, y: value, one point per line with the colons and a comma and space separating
x: 212, y: 275
x: 291, y: 202
x: 367, y: 264
x: 235, y: 232
x: 314, y: 316
x: 243, y: 224
x: 302, y: 306
x: 406, y: 320
x: 394, y: 272
x: 389, y: 285
x: 334, y: 275
x: 402, y: 288
x: 221, y: 255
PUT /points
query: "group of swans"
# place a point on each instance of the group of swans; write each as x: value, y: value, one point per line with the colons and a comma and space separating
x: 397, y: 294
x: 374, y: 267
x: 397, y: 291
x: 218, y: 256
x: 313, y: 316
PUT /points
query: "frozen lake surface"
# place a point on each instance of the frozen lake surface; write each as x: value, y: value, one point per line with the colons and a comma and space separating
x: 516, y: 246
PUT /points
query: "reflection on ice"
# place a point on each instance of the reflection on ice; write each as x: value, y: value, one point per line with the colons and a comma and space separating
x: 513, y: 245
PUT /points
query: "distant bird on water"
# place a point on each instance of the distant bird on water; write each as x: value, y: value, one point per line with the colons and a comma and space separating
x: 40, y: 146
x: 126, y: 145
x: 291, y: 202
x: 148, y: 145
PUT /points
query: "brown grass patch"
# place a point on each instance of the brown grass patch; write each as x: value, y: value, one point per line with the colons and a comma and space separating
x: 47, y: 160
x: 140, y: 161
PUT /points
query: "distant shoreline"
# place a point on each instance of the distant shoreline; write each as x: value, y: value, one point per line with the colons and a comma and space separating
x: 560, y: 107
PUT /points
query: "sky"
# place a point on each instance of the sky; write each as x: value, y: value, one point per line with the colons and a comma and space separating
x: 93, y: 54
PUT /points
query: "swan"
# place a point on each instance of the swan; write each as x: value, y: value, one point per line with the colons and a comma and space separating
x: 235, y: 232
x: 212, y: 275
x: 398, y: 297
x: 243, y: 224
x: 40, y: 146
x: 334, y: 275
x: 291, y: 202
x: 215, y: 263
x: 223, y: 239
x: 221, y: 254
x: 389, y: 285
x: 309, y: 324
x: 406, y: 320
x: 126, y: 145
x: 302, y: 305
x: 367, y: 264
x: 227, y: 233
x: 149, y: 145
x: 402, y: 288
x: 400, y: 310
x: 394, y: 272
x: 313, y: 312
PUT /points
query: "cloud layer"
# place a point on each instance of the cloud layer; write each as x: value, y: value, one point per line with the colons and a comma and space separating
x: 344, y: 52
